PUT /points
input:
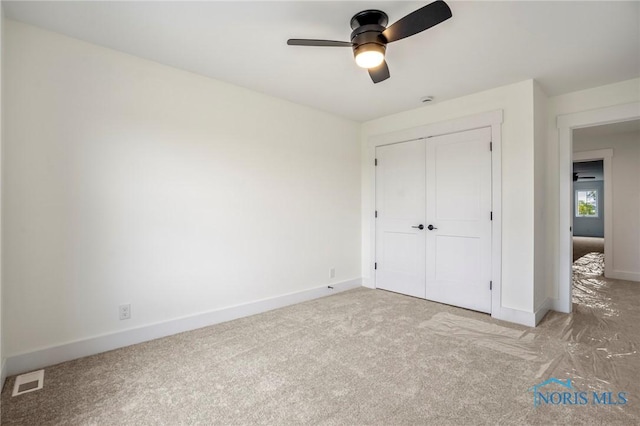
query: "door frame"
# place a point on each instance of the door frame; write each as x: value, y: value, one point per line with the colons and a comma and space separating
x: 566, y: 124
x: 605, y: 155
x: 492, y: 119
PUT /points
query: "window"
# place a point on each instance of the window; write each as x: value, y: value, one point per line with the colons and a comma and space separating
x: 587, y: 203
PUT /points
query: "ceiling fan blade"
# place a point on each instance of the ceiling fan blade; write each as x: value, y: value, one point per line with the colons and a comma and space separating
x: 322, y: 43
x: 418, y: 21
x: 380, y: 73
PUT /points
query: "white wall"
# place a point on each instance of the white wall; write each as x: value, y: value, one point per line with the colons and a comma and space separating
x: 540, y: 100
x: 625, y: 196
x: 599, y: 97
x: 131, y: 182
x: 517, y: 178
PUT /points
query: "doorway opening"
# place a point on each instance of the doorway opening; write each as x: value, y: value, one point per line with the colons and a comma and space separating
x: 570, y: 129
x: 588, y: 214
x: 596, y: 219
x: 588, y: 208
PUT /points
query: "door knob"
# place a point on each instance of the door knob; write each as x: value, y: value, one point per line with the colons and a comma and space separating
x: 421, y: 226
x: 431, y: 227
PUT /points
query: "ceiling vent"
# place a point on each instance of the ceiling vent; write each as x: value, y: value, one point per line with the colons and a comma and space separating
x: 28, y: 382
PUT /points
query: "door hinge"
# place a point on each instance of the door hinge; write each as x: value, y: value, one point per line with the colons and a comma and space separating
x: 491, y: 216
x: 490, y: 146
x: 375, y: 162
x: 376, y: 213
x: 375, y: 265
x: 490, y: 285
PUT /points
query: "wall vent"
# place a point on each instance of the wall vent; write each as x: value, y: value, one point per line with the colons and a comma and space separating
x: 28, y: 382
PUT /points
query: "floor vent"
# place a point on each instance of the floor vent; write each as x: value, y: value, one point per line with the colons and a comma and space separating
x: 28, y: 382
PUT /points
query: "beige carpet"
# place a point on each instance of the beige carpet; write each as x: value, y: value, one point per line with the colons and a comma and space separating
x: 585, y: 245
x: 359, y: 357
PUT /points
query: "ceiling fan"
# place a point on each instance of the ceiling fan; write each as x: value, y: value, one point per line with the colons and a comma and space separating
x: 370, y: 35
x: 576, y: 176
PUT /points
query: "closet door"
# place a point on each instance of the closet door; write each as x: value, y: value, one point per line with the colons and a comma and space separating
x: 458, y: 219
x: 400, y: 205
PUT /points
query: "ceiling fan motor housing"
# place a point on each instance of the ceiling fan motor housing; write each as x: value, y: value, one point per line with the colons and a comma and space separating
x: 370, y: 35
x: 368, y: 26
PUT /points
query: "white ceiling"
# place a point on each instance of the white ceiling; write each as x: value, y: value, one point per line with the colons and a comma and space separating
x: 595, y: 168
x: 631, y: 126
x: 566, y: 46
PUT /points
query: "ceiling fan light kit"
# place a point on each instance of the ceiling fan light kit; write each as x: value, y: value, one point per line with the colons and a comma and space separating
x: 369, y: 55
x: 369, y: 45
x: 371, y: 35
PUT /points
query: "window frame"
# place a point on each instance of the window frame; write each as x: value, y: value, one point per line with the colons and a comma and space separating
x: 597, y: 202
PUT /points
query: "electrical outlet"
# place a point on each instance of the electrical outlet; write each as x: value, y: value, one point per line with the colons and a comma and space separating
x: 332, y: 273
x: 125, y: 312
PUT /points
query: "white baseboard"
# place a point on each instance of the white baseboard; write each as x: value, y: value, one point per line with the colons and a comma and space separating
x: 54, y: 355
x: 515, y: 315
x: 3, y: 373
x: 624, y: 275
x: 542, y: 310
x: 555, y: 305
x: 368, y: 283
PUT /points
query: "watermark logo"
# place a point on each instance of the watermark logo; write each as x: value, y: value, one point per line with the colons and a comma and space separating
x: 568, y: 395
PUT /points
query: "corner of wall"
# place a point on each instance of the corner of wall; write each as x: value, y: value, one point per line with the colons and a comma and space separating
x: 516, y: 316
x: 541, y: 189
x: 542, y: 310
x: 2, y: 358
x: 3, y: 373
x: 365, y: 224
